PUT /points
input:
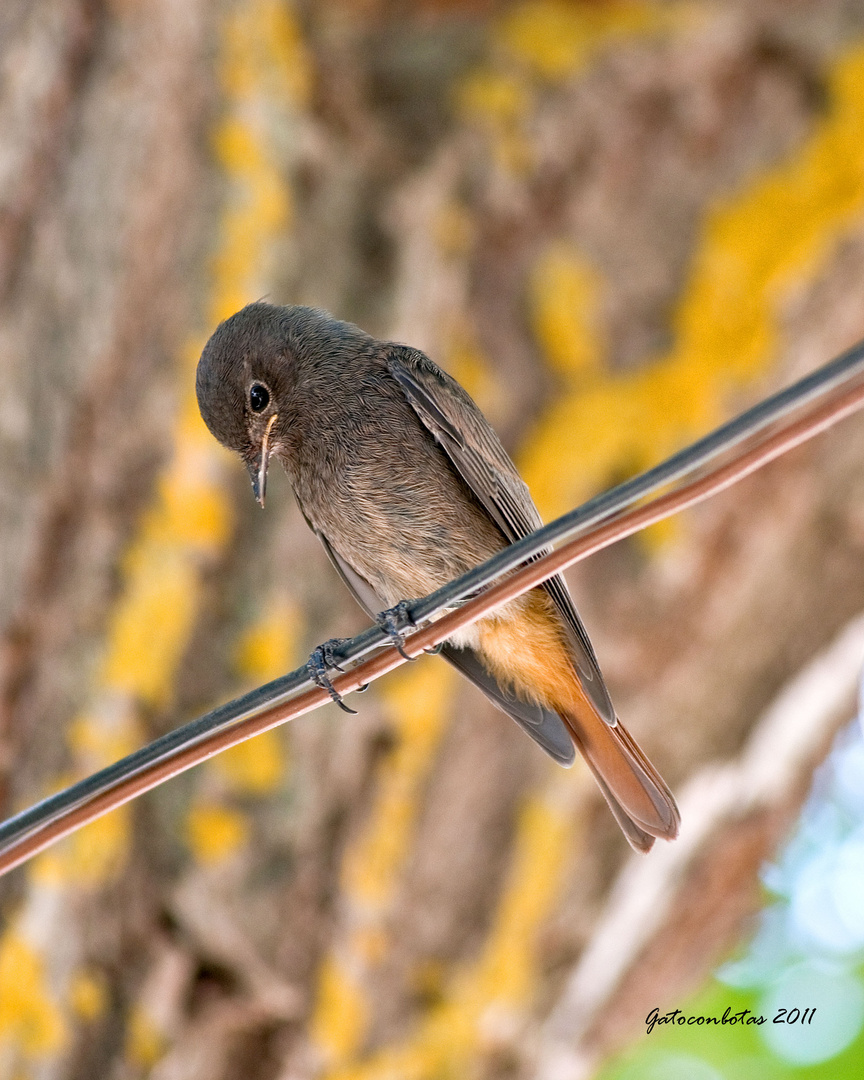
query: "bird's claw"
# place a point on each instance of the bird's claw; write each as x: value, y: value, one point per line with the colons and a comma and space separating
x: 331, y: 650
x: 394, y: 621
x: 317, y: 665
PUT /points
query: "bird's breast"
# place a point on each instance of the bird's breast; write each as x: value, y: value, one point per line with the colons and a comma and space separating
x: 389, y: 502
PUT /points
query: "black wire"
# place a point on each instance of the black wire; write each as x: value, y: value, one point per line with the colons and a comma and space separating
x: 602, y: 507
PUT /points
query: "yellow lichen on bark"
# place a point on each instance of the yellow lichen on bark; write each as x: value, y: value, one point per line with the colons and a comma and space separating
x: 771, y: 234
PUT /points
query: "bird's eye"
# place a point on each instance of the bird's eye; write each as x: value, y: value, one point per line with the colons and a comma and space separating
x: 259, y: 397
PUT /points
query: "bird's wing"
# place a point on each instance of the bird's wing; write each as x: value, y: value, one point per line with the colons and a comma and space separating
x: 461, y: 430
x: 545, y: 728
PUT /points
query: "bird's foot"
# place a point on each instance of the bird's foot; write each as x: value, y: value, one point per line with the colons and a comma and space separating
x: 322, y: 659
x: 394, y: 621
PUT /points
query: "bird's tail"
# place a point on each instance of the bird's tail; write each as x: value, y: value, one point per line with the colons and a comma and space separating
x: 643, y: 805
x: 526, y: 651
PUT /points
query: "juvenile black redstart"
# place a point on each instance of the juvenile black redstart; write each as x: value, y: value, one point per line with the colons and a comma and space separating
x: 407, y: 486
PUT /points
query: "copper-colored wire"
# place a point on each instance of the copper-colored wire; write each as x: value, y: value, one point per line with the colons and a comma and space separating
x: 785, y: 438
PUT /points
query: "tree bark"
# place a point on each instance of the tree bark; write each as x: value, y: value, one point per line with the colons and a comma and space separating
x: 616, y: 224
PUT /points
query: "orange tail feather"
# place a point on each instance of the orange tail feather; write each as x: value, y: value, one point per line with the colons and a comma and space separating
x: 626, y: 774
x: 528, y: 652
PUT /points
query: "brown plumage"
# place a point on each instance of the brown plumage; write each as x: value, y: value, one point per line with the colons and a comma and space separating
x: 407, y: 486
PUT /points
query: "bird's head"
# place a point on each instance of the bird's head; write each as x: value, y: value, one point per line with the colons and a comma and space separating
x: 244, y: 382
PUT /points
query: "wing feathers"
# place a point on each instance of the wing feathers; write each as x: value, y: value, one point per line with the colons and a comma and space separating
x: 546, y: 728
x: 464, y: 434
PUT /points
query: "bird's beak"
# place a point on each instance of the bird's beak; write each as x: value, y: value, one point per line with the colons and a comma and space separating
x: 257, y: 464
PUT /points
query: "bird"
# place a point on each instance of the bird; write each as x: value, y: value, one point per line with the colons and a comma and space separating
x: 407, y: 486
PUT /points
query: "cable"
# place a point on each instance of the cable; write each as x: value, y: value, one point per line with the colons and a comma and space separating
x: 32, y: 829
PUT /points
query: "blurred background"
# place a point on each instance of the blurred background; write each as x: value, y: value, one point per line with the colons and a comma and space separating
x: 617, y: 223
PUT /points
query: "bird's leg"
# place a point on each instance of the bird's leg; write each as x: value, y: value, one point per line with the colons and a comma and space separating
x: 322, y: 658
x: 394, y: 621
x: 331, y: 652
